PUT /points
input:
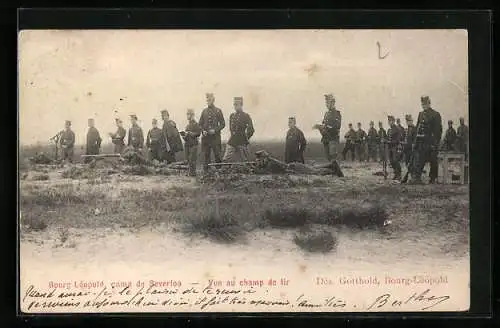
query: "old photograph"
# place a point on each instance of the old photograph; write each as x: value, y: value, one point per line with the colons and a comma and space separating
x: 243, y: 171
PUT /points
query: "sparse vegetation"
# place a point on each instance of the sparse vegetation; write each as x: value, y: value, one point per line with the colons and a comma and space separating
x: 315, y: 240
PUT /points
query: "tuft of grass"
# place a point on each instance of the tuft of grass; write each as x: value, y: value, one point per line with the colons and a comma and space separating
x: 315, y: 241
x: 286, y: 217
x: 57, y: 196
x: 223, y: 228
x: 40, y: 177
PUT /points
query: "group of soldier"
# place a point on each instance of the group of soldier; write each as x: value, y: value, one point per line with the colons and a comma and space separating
x: 415, y: 145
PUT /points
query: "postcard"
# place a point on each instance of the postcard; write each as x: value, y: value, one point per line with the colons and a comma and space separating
x: 243, y: 171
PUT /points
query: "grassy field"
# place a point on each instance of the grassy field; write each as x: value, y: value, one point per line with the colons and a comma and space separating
x: 230, y: 209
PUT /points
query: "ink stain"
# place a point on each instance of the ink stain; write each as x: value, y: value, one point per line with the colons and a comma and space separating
x: 254, y: 99
x: 89, y: 94
x: 312, y: 69
x: 302, y: 268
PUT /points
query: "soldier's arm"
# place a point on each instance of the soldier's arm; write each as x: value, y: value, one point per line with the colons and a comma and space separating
x: 148, y: 137
x: 250, y: 128
x: 302, y: 141
x: 71, y: 139
x: 141, y: 138
x: 196, y: 130
x: 231, y: 125
x: 99, y: 139
x: 129, y: 138
x: 222, y: 122
x: 202, y: 121
x: 338, y: 120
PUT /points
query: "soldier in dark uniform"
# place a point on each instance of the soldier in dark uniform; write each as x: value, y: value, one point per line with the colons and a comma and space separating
x: 463, y: 138
x: 93, y: 140
x: 330, y: 128
x: 350, y: 137
x: 241, y: 128
x: 118, y: 137
x: 403, y: 135
x: 410, y: 135
x: 135, y: 135
x: 67, y: 141
x: 211, y: 123
x: 429, y: 131
x: 190, y: 136
x: 450, y: 138
x: 172, y: 142
x: 154, y: 141
x: 382, y: 136
x: 360, y: 143
x: 295, y: 144
x: 373, y: 142
x: 394, y: 140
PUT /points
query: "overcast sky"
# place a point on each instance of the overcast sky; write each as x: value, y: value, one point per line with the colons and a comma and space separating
x: 76, y: 75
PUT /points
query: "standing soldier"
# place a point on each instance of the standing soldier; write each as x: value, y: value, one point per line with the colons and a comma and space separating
x: 410, y: 135
x: 67, y: 141
x: 463, y: 138
x: 172, y: 142
x: 373, y: 142
x: 135, y: 135
x: 211, y: 124
x: 190, y: 136
x: 295, y: 144
x: 118, y: 137
x: 394, y: 139
x: 450, y: 138
x: 93, y: 140
x: 350, y: 137
x: 382, y: 136
x: 241, y: 128
x: 360, y: 143
x: 429, y: 131
x: 330, y: 128
x: 154, y: 141
x: 403, y: 135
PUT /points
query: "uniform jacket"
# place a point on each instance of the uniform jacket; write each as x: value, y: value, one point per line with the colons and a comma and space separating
x: 135, y: 137
x: 360, y: 136
x: 118, y: 137
x: 93, y: 138
x: 410, y: 135
x: 450, y: 139
x: 241, y: 128
x: 463, y: 134
x: 67, y: 139
x: 295, y: 145
x: 212, y: 118
x: 382, y: 134
x: 332, y: 122
x: 192, y: 138
x: 429, y: 127
x: 372, y: 136
x: 350, y: 136
x: 154, y: 138
x: 172, y: 135
x: 403, y: 131
x: 394, y: 136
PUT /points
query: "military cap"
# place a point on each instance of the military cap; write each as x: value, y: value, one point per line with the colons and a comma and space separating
x: 359, y: 123
x: 238, y: 98
x: 209, y: 94
x: 90, y: 119
x: 398, y: 120
x: 408, y: 117
x: 450, y: 121
x: 164, y: 112
x: 67, y: 122
x: 390, y: 118
x: 425, y: 99
x: 372, y: 123
x: 292, y: 118
x: 461, y: 119
x: 329, y: 96
x: 190, y: 111
x: 154, y: 120
x: 133, y: 116
x: 350, y: 124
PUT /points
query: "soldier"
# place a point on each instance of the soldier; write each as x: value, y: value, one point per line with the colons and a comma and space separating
x: 373, y: 142
x: 463, y: 138
x: 410, y: 135
x: 394, y: 139
x: 295, y: 144
x: 154, y: 141
x: 93, y: 140
x: 403, y: 134
x: 331, y: 128
x: 172, y: 142
x: 67, y: 141
x: 350, y: 137
x: 211, y: 123
x: 190, y: 136
x: 118, y: 137
x: 135, y: 135
x: 450, y: 138
x: 360, y: 143
x: 241, y: 128
x: 429, y: 131
x: 382, y: 136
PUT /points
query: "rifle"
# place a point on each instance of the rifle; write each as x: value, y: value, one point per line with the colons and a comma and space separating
x: 102, y: 155
x: 55, y: 139
x: 232, y: 163
x: 410, y: 165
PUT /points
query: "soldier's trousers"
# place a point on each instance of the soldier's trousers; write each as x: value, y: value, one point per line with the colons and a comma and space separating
x: 67, y: 154
x: 331, y: 150
x: 168, y: 156
x: 395, y: 160
x: 92, y: 150
x: 348, y: 148
x: 118, y: 149
x: 424, y: 153
x: 242, y: 151
x: 191, y: 154
x: 372, y: 152
x: 156, y: 153
x: 360, y: 151
x: 210, y: 144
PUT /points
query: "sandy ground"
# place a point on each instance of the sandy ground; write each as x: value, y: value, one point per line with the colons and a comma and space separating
x: 157, y: 252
